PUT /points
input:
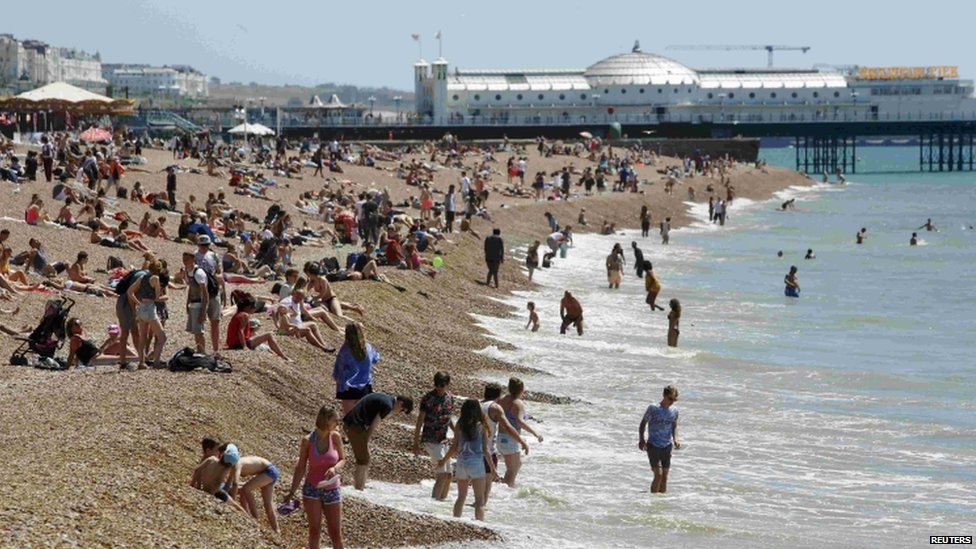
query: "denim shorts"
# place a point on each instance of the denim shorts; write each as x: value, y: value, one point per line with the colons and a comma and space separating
x: 470, y: 468
x: 329, y: 496
x: 507, y: 445
x: 146, y: 312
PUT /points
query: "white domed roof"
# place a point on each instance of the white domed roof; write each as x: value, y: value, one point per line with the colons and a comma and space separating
x: 638, y: 67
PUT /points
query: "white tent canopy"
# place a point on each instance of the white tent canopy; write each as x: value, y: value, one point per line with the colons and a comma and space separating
x: 61, y: 91
x: 251, y: 129
x: 334, y: 103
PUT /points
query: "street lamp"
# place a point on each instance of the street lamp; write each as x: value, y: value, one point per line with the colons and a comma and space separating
x: 396, y: 100
x: 371, y: 101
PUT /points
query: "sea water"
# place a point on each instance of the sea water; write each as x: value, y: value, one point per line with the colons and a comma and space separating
x: 845, y: 416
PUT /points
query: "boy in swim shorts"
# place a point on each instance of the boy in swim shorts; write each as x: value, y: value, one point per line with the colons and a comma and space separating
x: 212, y: 474
x: 263, y: 475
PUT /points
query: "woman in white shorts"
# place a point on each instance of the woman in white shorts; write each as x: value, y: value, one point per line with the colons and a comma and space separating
x: 470, y: 445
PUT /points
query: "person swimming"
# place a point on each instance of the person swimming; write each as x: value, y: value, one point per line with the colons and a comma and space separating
x: 810, y: 254
x: 928, y: 226
x: 792, y: 283
x: 861, y: 235
x: 914, y: 240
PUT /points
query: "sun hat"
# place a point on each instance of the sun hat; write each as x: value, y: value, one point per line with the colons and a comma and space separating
x: 203, y: 240
x: 231, y: 455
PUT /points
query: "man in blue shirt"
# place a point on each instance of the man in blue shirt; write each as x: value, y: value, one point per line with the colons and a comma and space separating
x: 661, y: 421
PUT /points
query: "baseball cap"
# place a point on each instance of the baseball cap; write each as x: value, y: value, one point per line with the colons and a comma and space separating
x: 203, y: 240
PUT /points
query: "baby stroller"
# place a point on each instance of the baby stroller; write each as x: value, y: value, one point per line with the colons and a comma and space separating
x: 49, y: 335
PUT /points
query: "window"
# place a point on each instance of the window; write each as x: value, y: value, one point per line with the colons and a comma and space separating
x: 583, y: 96
x: 752, y: 95
x: 816, y: 94
x: 711, y: 95
x: 477, y: 97
x: 498, y: 97
x: 676, y: 90
x: 773, y: 95
x: 836, y: 94
x: 623, y: 91
x: 562, y: 97
x: 659, y: 90
x: 519, y: 97
x: 731, y: 95
x: 641, y: 90
x: 455, y: 97
x: 606, y: 91
x: 540, y: 97
x: 793, y: 95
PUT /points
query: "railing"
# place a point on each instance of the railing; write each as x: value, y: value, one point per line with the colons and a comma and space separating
x: 697, y: 116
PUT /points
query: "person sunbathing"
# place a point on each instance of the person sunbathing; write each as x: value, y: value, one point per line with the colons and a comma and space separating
x: 288, y: 319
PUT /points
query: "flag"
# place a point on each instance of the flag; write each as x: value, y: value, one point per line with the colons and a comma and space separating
x: 437, y: 36
x: 415, y: 36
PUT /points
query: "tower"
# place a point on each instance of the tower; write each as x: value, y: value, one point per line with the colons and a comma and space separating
x: 439, y: 69
x: 421, y: 87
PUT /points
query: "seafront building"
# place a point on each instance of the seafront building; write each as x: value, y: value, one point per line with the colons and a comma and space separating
x: 645, y: 88
x: 32, y: 63
x: 145, y: 80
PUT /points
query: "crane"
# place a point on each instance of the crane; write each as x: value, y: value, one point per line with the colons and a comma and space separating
x: 769, y: 49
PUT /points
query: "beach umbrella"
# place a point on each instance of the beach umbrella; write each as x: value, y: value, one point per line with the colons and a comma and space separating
x: 95, y: 135
x: 586, y: 135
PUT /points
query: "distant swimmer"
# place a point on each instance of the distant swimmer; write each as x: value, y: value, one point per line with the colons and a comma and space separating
x: 779, y: 254
x: 810, y: 254
x: 674, y: 318
x: 861, y: 235
x: 792, y: 283
x: 533, y: 317
x: 652, y: 286
x: 914, y: 240
x: 789, y: 204
x: 571, y: 312
x: 666, y: 230
x: 615, y: 266
x: 928, y: 226
x: 661, y: 422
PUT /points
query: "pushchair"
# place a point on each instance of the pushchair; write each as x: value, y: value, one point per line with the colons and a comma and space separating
x: 49, y: 335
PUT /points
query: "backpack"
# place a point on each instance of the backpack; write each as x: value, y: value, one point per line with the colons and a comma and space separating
x: 351, y: 259
x: 212, y: 287
x: 186, y: 360
x: 122, y: 286
x: 331, y: 264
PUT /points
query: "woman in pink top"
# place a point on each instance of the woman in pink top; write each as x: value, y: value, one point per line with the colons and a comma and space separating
x: 320, y: 459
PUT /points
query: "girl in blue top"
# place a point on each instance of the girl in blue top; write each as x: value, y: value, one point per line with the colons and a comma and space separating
x: 353, y: 369
x: 470, y: 445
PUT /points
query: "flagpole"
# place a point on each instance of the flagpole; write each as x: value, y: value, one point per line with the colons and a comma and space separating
x: 439, y: 45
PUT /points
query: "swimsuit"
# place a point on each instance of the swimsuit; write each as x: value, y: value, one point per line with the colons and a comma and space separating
x: 318, y: 464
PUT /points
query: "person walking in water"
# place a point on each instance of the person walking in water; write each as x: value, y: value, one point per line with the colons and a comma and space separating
x: 645, y: 221
x: 792, y: 283
x: 666, y: 230
x: 638, y: 259
x: 674, y: 318
x: 928, y: 226
x: 495, y: 418
x: 571, y: 312
x: 661, y: 422
x: 861, y: 235
x: 615, y: 266
x: 474, y: 466
x: 509, y: 446
x: 652, y: 286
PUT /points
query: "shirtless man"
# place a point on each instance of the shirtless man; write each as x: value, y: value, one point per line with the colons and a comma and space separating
x: 789, y: 204
x: 928, y: 226
x: 666, y: 230
x: 571, y: 312
x: 861, y: 235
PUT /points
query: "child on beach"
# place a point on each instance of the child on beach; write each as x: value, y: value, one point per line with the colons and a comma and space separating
x: 263, y: 475
x: 533, y: 317
x: 214, y: 471
x: 674, y: 318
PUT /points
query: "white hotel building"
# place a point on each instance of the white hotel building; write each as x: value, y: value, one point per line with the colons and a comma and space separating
x: 142, y: 80
x: 644, y: 88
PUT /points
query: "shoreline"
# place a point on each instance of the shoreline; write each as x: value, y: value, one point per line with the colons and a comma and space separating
x: 142, y: 429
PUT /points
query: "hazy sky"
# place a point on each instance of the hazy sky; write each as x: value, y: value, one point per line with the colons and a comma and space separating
x: 368, y: 42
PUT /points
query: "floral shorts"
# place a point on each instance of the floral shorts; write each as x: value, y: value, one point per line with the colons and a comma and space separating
x: 329, y: 496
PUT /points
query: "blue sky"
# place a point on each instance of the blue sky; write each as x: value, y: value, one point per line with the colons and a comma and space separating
x: 368, y: 42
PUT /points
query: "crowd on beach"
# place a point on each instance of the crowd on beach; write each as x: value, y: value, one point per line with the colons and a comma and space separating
x: 228, y: 251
